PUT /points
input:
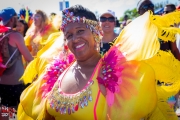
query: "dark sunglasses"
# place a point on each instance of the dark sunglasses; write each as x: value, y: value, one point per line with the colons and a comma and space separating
x: 145, y: 7
x: 110, y: 19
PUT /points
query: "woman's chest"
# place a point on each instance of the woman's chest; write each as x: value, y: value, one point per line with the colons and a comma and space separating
x: 87, y: 104
x: 75, y: 80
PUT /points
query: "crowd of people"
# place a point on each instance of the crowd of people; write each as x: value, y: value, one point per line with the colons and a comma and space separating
x: 74, y: 66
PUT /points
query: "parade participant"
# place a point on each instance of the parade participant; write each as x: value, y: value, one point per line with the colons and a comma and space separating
x: 22, y: 27
x: 81, y: 84
x: 11, y: 48
x: 170, y: 45
x: 108, y: 24
x: 145, y: 5
x: 27, y: 15
x: 37, y: 35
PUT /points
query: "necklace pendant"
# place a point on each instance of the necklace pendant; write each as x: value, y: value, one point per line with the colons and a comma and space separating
x: 69, y: 110
x: 85, y: 101
x: 76, y: 107
x: 73, y: 109
x: 90, y: 98
x: 82, y: 104
x: 57, y: 108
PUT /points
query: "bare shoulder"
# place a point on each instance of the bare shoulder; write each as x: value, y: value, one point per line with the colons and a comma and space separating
x: 16, y: 36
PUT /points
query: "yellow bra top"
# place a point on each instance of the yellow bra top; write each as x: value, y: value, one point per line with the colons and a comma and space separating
x: 95, y: 110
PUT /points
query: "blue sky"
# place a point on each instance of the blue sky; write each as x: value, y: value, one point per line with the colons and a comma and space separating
x: 119, y: 6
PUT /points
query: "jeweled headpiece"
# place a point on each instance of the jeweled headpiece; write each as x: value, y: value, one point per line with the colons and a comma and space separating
x: 94, y: 26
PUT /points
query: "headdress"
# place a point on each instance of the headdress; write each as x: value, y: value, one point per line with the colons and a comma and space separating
x: 94, y: 26
x: 26, y: 14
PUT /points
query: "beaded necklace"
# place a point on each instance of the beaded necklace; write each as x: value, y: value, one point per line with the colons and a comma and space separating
x: 70, y: 103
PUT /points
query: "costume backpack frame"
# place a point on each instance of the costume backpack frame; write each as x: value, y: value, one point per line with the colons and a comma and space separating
x: 6, y: 58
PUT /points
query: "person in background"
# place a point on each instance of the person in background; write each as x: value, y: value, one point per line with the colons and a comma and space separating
x: 117, y: 22
x: 128, y: 21
x: 26, y: 14
x: 22, y: 27
x: 10, y: 86
x: 37, y: 35
x: 145, y: 5
x: 56, y: 21
x: 169, y: 8
x: 107, y: 23
x: 51, y: 16
x: 178, y: 36
x: 124, y: 21
x: 170, y: 45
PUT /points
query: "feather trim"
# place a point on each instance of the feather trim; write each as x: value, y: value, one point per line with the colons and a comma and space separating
x: 164, y: 110
x: 165, y: 32
x: 166, y: 66
x: 30, y: 73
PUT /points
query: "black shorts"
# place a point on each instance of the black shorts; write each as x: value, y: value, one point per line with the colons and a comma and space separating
x: 10, y: 94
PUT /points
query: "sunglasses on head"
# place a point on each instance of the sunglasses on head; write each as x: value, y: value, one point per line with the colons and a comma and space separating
x: 147, y: 6
x: 104, y: 19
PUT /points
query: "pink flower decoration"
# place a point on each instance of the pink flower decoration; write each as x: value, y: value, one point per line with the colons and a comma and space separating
x: 55, y: 69
x: 110, y: 73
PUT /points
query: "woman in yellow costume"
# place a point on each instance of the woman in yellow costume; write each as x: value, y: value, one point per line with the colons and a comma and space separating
x: 80, y: 84
x: 37, y: 35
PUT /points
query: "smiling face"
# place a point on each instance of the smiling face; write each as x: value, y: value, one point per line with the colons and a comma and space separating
x: 37, y: 19
x: 80, y: 40
x: 20, y: 28
x: 108, y: 26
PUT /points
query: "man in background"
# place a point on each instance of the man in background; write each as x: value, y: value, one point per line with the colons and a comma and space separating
x: 145, y: 5
x: 171, y: 45
x: 9, y: 80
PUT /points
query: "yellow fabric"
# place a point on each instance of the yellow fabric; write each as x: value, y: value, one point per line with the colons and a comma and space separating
x: 166, y: 67
x: 167, y: 70
x: 51, y: 39
x: 37, y: 66
x: 137, y: 97
x: 163, y: 110
x: 30, y: 105
x: 27, y: 15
